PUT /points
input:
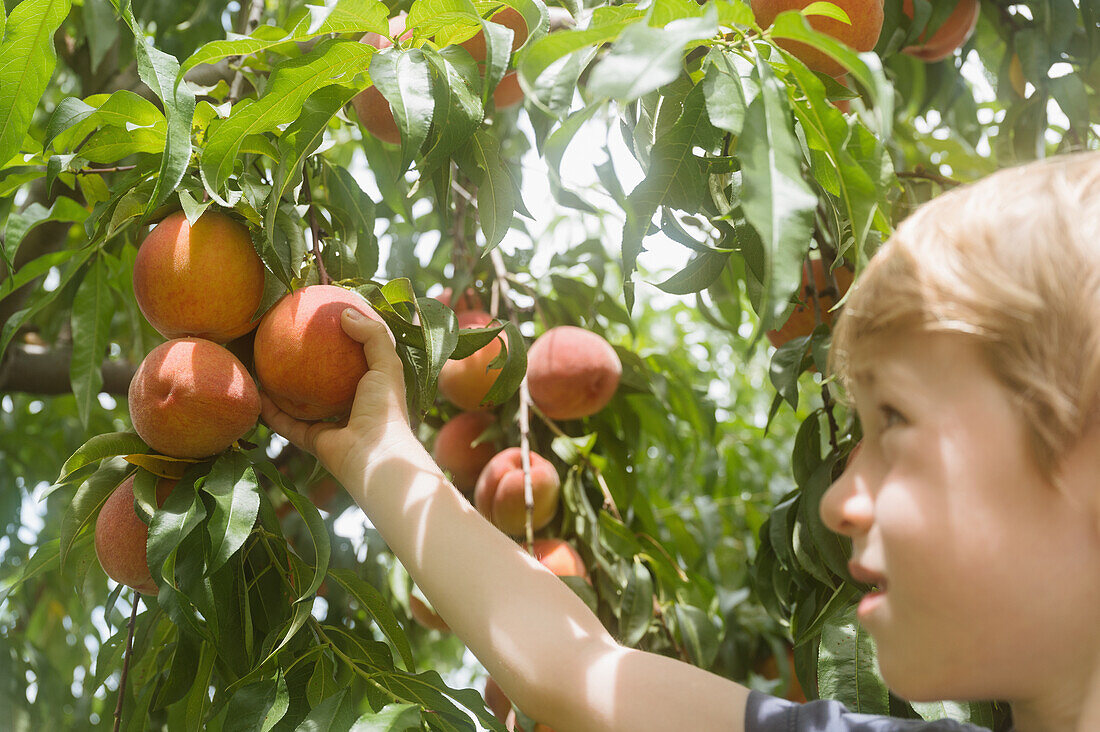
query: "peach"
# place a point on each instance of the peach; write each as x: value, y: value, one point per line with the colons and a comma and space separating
x: 560, y: 558
x: 954, y: 31
x: 572, y: 372
x: 427, y: 617
x: 866, y: 18
x: 304, y: 360
x: 192, y: 398
x: 508, y: 92
x: 121, y: 537
x: 454, y: 450
x: 499, y: 497
x: 372, y: 108
x: 497, y: 701
x: 465, y: 382
x: 802, y: 320
x: 204, y: 281
x: 506, y: 16
x: 469, y: 300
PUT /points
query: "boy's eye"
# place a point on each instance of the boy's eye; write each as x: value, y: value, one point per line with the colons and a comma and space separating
x: 890, y: 417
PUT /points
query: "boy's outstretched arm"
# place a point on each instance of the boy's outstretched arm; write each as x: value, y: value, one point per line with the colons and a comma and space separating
x: 537, y: 639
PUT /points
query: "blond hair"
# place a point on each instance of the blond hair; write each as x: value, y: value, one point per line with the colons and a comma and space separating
x: 1014, y: 262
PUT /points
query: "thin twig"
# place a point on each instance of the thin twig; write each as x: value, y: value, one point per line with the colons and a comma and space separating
x: 608, y: 499
x: 524, y: 404
x: 126, y: 661
x: 921, y: 173
x: 246, y: 23
x: 314, y: 229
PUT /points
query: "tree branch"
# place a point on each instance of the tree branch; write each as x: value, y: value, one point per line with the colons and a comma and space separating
x: 126, y: 662
x: 45, y: 370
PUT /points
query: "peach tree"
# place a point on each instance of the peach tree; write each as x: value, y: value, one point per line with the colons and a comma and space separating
x: 669, y: 175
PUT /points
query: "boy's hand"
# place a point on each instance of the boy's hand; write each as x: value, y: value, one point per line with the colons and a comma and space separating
x: 378, y: 418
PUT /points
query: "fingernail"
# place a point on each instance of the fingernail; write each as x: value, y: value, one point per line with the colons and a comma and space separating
x: 353, y: 314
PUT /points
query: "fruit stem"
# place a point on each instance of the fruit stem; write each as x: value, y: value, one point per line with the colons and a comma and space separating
x: 314, y: 229
x: 126, y: 661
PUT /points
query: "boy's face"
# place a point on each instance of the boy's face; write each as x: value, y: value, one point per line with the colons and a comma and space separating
x: 991, y: 574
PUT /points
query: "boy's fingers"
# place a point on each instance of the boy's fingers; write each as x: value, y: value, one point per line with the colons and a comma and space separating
x: 302, y: 434
x: 378, y: 342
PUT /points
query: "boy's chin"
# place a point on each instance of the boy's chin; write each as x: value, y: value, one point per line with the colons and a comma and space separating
x: 924, y: 683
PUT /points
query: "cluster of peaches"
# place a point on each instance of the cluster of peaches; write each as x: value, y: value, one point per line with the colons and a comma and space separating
x: 862, y: 33
x: 191, y: 398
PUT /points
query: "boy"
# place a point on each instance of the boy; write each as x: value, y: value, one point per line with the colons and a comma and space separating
x: 971, y: 350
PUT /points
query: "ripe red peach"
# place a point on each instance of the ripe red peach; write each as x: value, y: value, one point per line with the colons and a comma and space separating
x: 202, y: 281
x: 866, y: 18
x: 499, y: 493
x: 121, y: 537
x: 508, y: 92
x: 427, y: 617
x: 469, y: 300
x: 497, y: 701
x: 561, y: 558
x: 192, y: 398
x: 509, y: 17
x: 372, y: 108
x: 454, y: 450
x: 304, y: 360
x: 465, y: 382
x: 954, y: 32
x: 802, y: 319
x: 572, y: 372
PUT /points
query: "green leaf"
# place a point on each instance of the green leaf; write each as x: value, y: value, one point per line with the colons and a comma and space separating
x: 674, y: 177
x: 102, y: 446
x: 256, y: 705
x: 515, y: 368
x: 348, y: 16
x: 27, y: 60
x: 637, y: 604
x: 232, y: 483
x: 699, y: 274
x: 645, y: 58
x: 89, y: 498
x: 73, y: 119
x: 173, y: 522
x: 404, y: 78
x: 374, y: 604
x: 496, y: 191
x: 458, y: 112
x: 846, y: 666
x: 607, y: 24
x: 353, y: 213
x: 777, y: 201
x: 698, y: 633
x: 724, y: 93
x: 20, y: 223
x: 93, y: 307
x: 299, y: 140
x: 100, y: 28
x: 158, y: 70
x: 292, y: 82
x: 46, y: 558
x: 41, y: 297
x: 391, y: 718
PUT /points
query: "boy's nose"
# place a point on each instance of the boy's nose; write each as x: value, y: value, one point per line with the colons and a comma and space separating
x: 847, y: 506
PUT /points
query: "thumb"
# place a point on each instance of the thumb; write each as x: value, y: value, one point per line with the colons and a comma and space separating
x: 378, y: 342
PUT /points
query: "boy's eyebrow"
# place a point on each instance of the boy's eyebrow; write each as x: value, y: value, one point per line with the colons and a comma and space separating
x: 864, y: 376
